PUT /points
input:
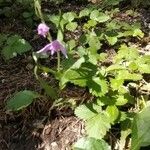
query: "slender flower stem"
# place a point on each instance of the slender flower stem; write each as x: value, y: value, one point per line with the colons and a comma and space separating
x: 58, y: 61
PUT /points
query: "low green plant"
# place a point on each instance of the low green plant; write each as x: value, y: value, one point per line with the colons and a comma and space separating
x: 110, y: 85
x: 12, y: 45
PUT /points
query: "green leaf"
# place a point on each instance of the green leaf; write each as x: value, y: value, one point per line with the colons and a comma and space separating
x: 121, y: 100
x: 97, y: 121
x: 70, y: 69
x: 125, y: 132
x: 87, y: 143
x: 127, y: 53
x: 113, y: 113
x: 71, y: 44
x: 54, y: 19
x: 69, y: 16
x: 113, y: 25
x: 15, y: 45
x: 112, y: 39
x: 98, y: 86
x: 144, y: 68
x: 94, y: 43
x: 89, y: 24
x: 133, y: 66
x: 51, y: 92
x: 125, y: 75
x: 114, y: 67
x: 71, y: 26
x: 21, y: 100
x: 99, y: 16
x: 84, y: 12
x: 116, y: 84
x: 140, y: 130
x: 85, y: 112
x: 138, y: 32
x: 98, y: 125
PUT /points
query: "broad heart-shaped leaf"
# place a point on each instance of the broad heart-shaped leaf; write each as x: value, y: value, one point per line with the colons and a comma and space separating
x: 99, y: 16
x: 71, y: 26
x: 140, y: 130
x: 21, y: 100
x: 88, y: 143
x: 15, y: 45
x: 97, y: 121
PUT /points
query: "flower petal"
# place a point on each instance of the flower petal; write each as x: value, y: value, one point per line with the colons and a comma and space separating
x: 63, y: 50
x: 43, y: 29
x: 45, y: 48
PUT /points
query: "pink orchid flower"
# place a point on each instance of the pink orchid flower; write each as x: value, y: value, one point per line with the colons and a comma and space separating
x: 53, y: 47
x: 43, y: 29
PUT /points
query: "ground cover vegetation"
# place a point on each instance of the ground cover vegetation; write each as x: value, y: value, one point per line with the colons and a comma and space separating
x: 85, y: 61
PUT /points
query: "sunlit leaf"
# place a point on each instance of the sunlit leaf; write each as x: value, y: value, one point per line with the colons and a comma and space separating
x: 71, y: 26
x: 88, y: 143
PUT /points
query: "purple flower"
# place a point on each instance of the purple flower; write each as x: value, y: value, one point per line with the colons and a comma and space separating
x: 53, y: 47
x: 43, y: 29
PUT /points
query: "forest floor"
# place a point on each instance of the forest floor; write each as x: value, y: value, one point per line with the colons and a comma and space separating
x: 32, y: 128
